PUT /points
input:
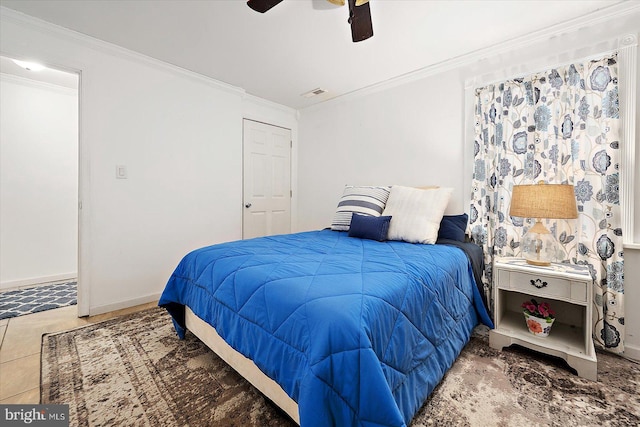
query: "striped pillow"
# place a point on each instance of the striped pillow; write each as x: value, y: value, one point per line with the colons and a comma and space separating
x: 363, y: 200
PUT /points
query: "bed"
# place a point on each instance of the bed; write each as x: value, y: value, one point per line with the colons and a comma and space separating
x: 335, y: 329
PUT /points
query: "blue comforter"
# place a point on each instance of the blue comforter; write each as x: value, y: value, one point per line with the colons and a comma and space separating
x: 357, y: 332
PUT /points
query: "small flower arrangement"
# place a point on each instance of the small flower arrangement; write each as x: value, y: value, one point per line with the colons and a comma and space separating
x: 542, y: 310
x: 539, y: 317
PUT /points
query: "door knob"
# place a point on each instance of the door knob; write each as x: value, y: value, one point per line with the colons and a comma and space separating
x: 248, y: 205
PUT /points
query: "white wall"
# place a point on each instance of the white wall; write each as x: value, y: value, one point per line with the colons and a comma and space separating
x: 413, y: 132
x: 391, y: 137
x: 632, y: 256
x: 180, y: 137
x: 38, y: 182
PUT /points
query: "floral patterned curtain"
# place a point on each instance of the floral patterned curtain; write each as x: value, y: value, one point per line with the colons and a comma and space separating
x: 559, y: 126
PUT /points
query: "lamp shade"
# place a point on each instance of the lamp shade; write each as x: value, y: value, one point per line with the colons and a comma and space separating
x: 543, y: 201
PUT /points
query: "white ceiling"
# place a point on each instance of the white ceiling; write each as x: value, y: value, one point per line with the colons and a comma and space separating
x: 300, y: 45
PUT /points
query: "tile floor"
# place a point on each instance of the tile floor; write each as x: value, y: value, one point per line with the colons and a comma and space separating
x: 20, y: 340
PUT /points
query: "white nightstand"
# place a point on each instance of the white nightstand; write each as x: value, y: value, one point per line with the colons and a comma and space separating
x: 568, y: 289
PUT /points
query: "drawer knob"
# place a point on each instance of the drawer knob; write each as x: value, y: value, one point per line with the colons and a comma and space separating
x: 538, y: 283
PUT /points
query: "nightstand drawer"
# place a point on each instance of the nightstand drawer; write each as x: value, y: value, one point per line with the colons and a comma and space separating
x: 543, y: 286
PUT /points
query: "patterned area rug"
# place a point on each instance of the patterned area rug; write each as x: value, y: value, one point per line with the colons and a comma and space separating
x: 38, y: 298
x: 134, y: 371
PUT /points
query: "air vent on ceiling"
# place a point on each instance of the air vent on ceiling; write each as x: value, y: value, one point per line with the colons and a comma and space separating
x: 314, y: 92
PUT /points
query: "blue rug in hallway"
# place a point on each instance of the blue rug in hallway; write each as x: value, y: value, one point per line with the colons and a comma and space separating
x: 38, y: 298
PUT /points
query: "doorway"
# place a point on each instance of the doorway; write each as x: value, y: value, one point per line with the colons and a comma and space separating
x: 267, y: 180
x: 39, y: 178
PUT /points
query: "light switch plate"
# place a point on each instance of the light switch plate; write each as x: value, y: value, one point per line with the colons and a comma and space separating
x: 121, y: 172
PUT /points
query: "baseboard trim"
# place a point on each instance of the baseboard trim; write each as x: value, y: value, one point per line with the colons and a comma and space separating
x: 12, y: 284
x: 632, y: 352
x: 101, y: 309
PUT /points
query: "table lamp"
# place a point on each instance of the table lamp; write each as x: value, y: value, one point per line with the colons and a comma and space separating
x: 538, y: 201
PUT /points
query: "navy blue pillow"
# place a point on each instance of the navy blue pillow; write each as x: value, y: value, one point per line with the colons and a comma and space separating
x: 369, y: 227
x: 453, y: 227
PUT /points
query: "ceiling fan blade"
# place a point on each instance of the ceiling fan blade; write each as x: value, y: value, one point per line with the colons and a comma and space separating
x: 360, y: 20
x: 262, y: 5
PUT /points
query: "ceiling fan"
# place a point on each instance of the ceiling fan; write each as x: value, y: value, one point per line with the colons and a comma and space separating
x: 359, y: 15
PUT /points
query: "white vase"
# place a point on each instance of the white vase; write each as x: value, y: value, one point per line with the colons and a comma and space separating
x: 538, y: 326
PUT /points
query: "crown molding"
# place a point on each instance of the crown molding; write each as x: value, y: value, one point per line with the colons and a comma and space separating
x: 52, y: 30
x: 12, y: 78
x: 269, y: 104
x: 594, y: 18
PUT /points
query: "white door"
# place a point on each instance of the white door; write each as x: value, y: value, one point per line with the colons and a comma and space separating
x: 267, y: 180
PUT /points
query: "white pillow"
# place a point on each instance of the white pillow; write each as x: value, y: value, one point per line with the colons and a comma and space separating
x: 415, y: 213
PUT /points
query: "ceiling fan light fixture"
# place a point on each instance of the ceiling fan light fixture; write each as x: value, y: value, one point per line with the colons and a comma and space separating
x: 359, y: 15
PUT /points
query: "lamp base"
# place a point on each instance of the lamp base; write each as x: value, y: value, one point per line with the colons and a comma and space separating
x: 539, y: 247
x: 538, y: 263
